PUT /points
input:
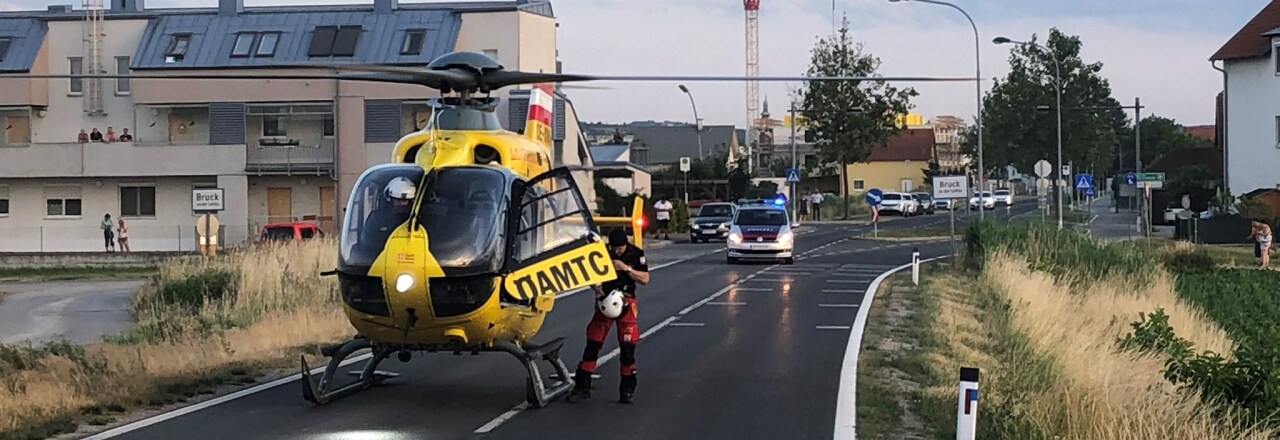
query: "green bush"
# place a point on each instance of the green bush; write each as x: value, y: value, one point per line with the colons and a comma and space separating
x: 197, y: 290
x: 1065, y: 253
x: 1189, y: 261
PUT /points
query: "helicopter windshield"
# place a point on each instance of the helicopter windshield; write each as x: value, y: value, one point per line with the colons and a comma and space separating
x: 461, y: 211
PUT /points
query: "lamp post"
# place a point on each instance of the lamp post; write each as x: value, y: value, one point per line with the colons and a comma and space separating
x: 697, y: 122
x: 977, y: 54
x: 1058, y: 90
x: 1137, y: 141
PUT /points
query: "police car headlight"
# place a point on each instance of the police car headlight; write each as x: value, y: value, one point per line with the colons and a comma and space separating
x: 735, y: 237
x: 785, y: 237
x: 404, y: 282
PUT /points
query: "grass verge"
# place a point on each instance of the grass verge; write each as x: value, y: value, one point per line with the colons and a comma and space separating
x: 201, y: 325
x: 892, y: 356
x: 1041, y: 313
x: 76, y: 273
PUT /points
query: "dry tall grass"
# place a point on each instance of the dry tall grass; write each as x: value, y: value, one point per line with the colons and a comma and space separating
x: 1072, y: 382
x: 280, y: 305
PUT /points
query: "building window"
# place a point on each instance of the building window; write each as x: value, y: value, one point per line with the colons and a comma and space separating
x: 4, y: 47
x: 413, y: 42
x: 267, y: 44
x: 76, y: 85
x: 122, y: 68
x: 243, y: 46
x: 1275, y: 50
x: 338, y: 41
x: 858, y: 184
x: 274, y: 125
x: 177, y: 48
x: 137, y: 201
x: 1277, y: 131
x: 327, y: 123
x: 4, y: 201
x: 63, y: 207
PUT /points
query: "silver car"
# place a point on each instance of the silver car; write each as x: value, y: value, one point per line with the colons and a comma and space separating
x: 902, y: 203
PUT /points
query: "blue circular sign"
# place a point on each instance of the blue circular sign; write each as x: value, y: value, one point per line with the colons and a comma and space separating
x: 1130, y: 178
x: 874, y: 196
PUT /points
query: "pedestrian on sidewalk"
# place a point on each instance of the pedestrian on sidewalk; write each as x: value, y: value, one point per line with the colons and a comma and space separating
x: 1262, y: 242
x: 664, y: 208
x: 108, y: 235
x: 815, y: 199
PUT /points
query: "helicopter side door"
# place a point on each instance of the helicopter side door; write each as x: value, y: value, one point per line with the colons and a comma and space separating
x: 553, y: 245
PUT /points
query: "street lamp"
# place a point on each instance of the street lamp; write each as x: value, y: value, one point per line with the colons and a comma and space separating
x: 1058, y: 90
x: 977, y: 79
x: 697, y: 122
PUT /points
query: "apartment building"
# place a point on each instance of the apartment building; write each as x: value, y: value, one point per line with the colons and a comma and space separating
x: 281, y: 150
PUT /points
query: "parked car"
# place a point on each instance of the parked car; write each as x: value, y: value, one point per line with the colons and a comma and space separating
x: 902, y: 203
x: 988, y: 200
x: 711, y: 222
x: 1004, y: 196
x: 290, y: 231
x: 927, y: 204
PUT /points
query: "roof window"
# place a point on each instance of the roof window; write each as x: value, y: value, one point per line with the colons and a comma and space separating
x: 259, y: 44
x: 413, y: 42
x: 177, y: 48
x: 267, y: 44
x: 338, y: 41
x: 243, y: 46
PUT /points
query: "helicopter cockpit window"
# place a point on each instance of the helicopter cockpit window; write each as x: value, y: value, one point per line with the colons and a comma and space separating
x: 551, y: 215
x: 462, y: 211
x: 372, y: 213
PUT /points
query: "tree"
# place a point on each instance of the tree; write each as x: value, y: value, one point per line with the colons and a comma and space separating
x: 1160, y: 135
x: 842, y: 134
x: 933, y: 170
x: 1017, y: 132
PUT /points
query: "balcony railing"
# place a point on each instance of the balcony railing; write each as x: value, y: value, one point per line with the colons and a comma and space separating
x: 290, y: 157
x: 118, y: 159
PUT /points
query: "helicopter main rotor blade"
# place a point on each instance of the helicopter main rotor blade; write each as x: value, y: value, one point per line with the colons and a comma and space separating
x: 779, y: 78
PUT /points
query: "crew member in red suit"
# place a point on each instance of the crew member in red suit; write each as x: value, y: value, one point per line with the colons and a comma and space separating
x: 629, y: 262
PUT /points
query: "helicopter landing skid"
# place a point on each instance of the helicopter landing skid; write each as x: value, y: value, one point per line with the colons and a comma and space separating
x: 324, y: 392
x: 537, y: 391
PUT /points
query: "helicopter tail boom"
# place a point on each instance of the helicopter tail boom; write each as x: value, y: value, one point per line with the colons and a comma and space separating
x: 636, y: 222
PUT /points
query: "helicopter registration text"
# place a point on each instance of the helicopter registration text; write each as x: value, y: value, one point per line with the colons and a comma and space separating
x: 584, y: 266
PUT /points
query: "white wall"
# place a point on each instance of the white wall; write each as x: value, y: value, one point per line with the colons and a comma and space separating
x: 66, y: 114
x: 27, y: 228
x: 1252, y: 107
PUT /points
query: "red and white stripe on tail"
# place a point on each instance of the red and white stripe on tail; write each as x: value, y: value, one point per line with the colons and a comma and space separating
x: 541, y: 108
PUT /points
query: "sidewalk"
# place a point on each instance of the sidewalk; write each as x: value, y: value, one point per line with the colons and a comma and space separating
x: 1123, y: 225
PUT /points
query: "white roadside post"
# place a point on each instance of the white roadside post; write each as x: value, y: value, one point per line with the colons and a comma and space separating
x: 915, y: 266
x: 967, y: 411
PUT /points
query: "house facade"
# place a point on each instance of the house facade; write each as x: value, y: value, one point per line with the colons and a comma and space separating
x: 898, y: 166
x: 281, y: 150
x: 1250, y: 62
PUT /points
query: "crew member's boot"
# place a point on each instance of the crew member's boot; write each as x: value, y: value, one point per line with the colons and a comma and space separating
x: 627, y: 389
x: 581, y: 386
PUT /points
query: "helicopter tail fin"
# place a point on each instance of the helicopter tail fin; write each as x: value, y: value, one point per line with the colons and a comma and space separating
x: 541, y: 107
x: 636, y: 222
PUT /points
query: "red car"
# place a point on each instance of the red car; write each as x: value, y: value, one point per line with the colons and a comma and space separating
x: 290, y: 231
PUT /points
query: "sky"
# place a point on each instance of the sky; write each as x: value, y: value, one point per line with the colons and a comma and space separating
x: 1156, y: 50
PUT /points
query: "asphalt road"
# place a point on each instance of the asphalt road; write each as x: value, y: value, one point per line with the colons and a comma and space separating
x: 741, y: 351
x: 80, y: 311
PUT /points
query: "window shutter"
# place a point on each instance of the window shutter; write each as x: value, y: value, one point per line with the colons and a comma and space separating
x: 226, y: 123
x: 382, y: 120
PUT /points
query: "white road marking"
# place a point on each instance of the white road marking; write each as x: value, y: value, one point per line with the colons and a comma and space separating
x: 833, y: 327
x: 845, y: 281
x: 722, y: 303
x: 753, y: 289
x: 840, y: 291
x: 837, y: 305
x: 495, y: 423
x: 846, y: 393
x: 686, y: 324
x: 208, y: 403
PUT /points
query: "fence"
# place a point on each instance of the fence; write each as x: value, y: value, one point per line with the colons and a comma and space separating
x: 142, y: 238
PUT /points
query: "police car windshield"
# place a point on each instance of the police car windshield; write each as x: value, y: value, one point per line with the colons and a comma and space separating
x: 715, y: 211
x: 761, y: 217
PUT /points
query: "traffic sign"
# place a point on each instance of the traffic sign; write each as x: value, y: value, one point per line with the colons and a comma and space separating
x: 1043, y: 168
x: 1131, y: 178
x: 1084, y: 181
x: 1066, y: 170
x: 874, y: 196
x: 1150, y: 177
x: 1088, y: 191
x: 793, y: 175
x: 684, y: 164
x: 950, y: 187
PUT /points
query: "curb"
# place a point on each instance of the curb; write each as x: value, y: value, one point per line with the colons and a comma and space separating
x: 935, y: 238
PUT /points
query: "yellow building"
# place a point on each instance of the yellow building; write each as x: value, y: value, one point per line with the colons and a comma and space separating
x: 899, y: 166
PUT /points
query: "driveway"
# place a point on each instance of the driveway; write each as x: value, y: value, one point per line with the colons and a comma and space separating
x: 80, y: 311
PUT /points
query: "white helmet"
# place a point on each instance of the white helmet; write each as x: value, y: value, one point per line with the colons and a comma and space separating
x: 611, y: 305
x: 401, y: 188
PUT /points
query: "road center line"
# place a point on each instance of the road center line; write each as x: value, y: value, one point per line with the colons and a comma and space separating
x: 722, y: 303
x: 837, y: 305
x: 832, y: 327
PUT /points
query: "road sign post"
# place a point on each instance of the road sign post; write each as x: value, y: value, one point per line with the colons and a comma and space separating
x: 793, y: 177
x: 684, y: 168
x: 951, y: 187
x: 874, y: 196
x: 207, y: 202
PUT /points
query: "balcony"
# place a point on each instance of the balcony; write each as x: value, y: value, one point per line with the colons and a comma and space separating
x: 122, y: 159
x: 288, y: 139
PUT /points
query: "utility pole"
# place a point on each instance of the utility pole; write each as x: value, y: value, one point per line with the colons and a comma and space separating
x: 794, y: 193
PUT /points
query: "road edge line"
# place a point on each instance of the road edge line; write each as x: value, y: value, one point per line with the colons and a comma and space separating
x: 846, y: 393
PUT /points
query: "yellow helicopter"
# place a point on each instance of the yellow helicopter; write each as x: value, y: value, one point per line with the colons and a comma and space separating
x: 463, y: 240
